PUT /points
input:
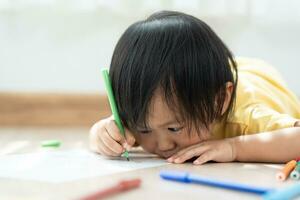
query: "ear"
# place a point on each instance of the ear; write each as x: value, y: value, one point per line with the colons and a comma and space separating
x: 229, y: 89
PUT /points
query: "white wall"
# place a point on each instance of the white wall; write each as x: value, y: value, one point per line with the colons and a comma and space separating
x: 60, y: 45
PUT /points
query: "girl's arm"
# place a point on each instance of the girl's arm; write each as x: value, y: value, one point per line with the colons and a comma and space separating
x: 276, y: 146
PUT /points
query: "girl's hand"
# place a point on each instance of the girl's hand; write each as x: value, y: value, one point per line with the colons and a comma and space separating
x: 216, y: 150
x: 106, y: 139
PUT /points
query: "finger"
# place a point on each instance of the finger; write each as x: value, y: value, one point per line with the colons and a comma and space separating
x: 130, y: 140
x: 196, y: 151
x: 95, y: 140
x: 99, y: 135
x: 97, y: 147
x: 104, y: 150
x: 177, y: 154
x: 205, y: 157
x: 184, y: 151
x: 109, y: 142
x: 113, y: 130
x: 126, y: 141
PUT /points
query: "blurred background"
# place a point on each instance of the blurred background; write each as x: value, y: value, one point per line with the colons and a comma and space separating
x: 59, y: 46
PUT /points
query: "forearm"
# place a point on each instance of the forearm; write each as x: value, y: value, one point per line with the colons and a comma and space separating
x: 277, y: 146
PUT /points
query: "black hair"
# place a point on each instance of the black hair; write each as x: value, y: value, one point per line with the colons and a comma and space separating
x: 182, y: 56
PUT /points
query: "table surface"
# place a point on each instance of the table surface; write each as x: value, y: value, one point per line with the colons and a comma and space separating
x: 25, y: 140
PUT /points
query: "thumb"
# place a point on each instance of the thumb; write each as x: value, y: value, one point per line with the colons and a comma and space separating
x: 130, y: 140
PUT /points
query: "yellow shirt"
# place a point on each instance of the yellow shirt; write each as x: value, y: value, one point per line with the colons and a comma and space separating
x: 263, y: 102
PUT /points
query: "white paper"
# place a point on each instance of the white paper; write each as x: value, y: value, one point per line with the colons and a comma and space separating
x: 61, y: 166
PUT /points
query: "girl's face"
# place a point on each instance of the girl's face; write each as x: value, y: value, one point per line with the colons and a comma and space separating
x: 165, y: 136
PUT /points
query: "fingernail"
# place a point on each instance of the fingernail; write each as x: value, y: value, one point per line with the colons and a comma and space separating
x: 196, y: 162
x: 127, y: 146
x: 177, y: 160
x: 170, y: 159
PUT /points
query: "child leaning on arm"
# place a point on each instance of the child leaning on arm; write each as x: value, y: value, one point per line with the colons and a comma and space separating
x: 181, y: 94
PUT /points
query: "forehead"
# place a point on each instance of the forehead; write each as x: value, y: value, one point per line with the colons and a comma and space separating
x: 159, y: 112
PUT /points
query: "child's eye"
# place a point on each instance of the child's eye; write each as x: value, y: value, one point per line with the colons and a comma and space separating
x: 174, y: 129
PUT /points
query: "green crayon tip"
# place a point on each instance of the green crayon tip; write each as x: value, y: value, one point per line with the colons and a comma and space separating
x: 126, y: 155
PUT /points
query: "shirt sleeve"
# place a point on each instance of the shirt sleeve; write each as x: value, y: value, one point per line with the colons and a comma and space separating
x: 261, y: 118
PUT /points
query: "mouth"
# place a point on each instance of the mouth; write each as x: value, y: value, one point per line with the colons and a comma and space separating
x: 166, y: 154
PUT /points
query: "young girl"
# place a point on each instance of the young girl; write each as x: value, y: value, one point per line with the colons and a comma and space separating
x: 181, y: 94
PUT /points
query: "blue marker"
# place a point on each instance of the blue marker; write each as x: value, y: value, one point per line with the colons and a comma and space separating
x: 185, y: 177
x: 289, y: 192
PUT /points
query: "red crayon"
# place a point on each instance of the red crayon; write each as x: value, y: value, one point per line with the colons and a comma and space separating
x: 120, y: 187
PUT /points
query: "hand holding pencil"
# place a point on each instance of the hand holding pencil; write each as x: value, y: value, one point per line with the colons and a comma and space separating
x: 106, y: 139
x: 108, y: 136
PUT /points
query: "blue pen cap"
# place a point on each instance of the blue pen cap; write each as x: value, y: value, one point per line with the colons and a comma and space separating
x: 175, y: 176
x: 287, y: 193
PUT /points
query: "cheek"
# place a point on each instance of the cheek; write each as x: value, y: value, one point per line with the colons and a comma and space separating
x: 147, y: 143
x: 185, y: 139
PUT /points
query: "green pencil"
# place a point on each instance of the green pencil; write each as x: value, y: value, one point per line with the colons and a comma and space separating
x: 113, y: 105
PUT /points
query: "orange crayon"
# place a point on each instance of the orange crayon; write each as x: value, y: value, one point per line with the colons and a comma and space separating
x: 285, y: 172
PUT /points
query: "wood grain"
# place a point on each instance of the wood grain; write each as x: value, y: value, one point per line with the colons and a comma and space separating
x: 40, y: 109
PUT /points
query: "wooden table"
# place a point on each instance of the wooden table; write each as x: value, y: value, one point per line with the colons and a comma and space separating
x: 24, y: 140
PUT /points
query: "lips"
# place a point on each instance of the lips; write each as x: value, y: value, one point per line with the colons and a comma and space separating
x: 166, y: 154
